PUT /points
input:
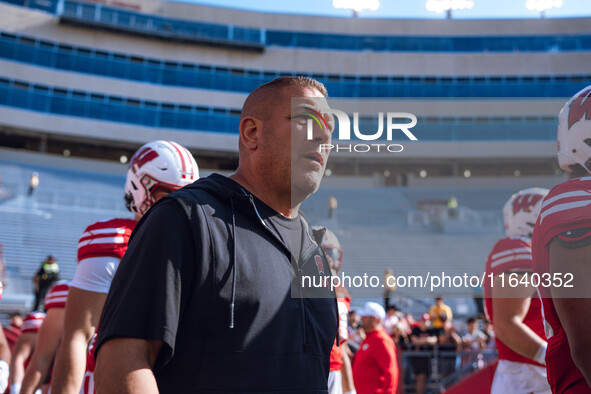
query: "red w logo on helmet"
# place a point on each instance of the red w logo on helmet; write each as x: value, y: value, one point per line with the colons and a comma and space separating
x: 140, y: 158
x: 525, y: 202
x: 579, y: 107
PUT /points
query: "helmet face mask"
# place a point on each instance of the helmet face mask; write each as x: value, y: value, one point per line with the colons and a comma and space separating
x: 158, y: 166
x: 574, y: 132
x: 522, y: 210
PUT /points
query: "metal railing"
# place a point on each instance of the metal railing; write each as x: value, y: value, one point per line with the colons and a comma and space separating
x: 446, y: 367
x: 161, y: 27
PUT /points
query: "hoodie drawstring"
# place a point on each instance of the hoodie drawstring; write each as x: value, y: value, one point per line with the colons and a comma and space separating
x: 234, y: 265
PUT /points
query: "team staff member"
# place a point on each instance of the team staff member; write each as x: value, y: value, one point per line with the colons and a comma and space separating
x: 561, y: 248
x: 156, y: 169
x: 215, y: 311
x: 375, y: 369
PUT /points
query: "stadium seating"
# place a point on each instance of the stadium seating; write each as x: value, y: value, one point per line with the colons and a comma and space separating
x: 56, y: 55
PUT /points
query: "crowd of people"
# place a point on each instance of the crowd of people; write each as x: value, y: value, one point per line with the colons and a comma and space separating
x: 431, y: 337
x: 201, y: 291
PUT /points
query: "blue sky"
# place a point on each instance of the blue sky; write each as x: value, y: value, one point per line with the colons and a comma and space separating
x: 407, y: 8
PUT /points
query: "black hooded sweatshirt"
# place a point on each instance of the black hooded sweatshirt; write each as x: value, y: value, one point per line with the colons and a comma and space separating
x: 206, y: 273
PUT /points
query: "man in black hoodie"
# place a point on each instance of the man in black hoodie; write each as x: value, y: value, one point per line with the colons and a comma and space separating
x: 208, y: 297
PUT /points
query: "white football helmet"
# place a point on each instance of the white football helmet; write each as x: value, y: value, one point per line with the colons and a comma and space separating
x: 574, y: 132
x: 522, y: 210
x: 158, y: 165
x: 332, y: 249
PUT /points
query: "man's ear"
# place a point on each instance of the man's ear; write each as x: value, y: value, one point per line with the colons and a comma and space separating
x: 250, y: 128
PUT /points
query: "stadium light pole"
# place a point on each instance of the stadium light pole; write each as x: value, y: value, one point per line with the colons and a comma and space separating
x: 449, y: 5
x: 357, y: 5
x: 543, y: 5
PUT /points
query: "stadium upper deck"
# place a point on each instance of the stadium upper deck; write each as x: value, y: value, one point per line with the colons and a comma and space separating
x: 119, y: 75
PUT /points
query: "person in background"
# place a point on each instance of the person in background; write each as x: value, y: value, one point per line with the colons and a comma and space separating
x: 356, y: 334
x: 155, y: 170
x: 37, y: 373
x: 395, y: 326
x: 4, y: 355
x: 375, y: 367
x: 452, y: 207
x: 46, y: 276
x: 389, y: 286
x: 16, y: 320
x: 474, y: 339
x: 424, y: 338
x: 439, y: 314
x: 340, y: 369
x: 515, y: 310
x: 391, y: 319
x: 33, y: 183
x: 449, y: 344
x: 13, y: 330
x: 488, y: 330
x: 23, y: 349
x: 332, y: 206
x: 561, y: 248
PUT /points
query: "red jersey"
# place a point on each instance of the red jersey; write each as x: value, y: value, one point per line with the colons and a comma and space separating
x: 375, y: 369
x: 56, y: 296
x: 33, y: 322
x: 105, y: 238
x: 11, y: 333
x: 566, y: 207
x: 344, y: 304
x: 512, y: 254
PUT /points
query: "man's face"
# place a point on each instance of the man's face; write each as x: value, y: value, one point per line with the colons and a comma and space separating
x: 354, y: 318
x: 291, y: 161
x: 367, y: 323
x: 425, y: 323
x: 308, y: 159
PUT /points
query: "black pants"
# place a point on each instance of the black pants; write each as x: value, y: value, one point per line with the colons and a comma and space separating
x: 40, y: 294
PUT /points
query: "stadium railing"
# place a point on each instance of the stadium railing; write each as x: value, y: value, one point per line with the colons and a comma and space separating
x: 91, y: 105
x: 101, y: 16
x: 446, y: 367
x: 60, y: 56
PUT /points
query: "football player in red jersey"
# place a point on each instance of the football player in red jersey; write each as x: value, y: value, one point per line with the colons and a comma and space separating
x: 48, y: 339
x: 340, y: 377
x: 155, y: 170
x: 513, y: 307
x: 23, y: 349
x: 562, y: 253
x: 4, y: 355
